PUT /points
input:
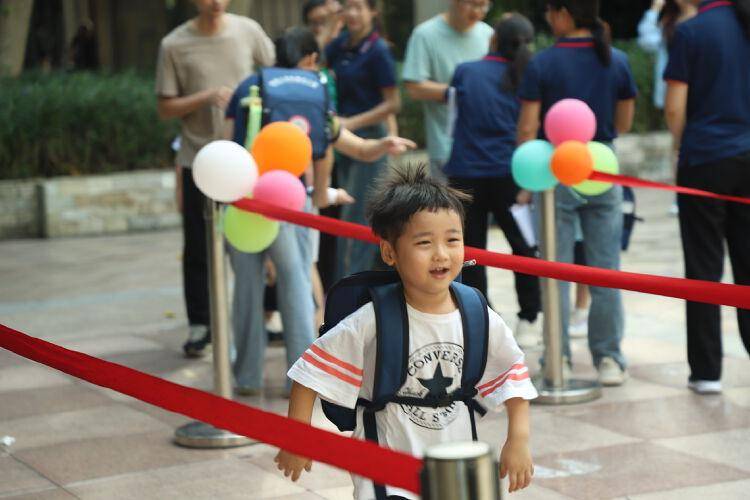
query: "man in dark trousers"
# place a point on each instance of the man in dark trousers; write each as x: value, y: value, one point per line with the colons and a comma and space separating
x: 200, y: 63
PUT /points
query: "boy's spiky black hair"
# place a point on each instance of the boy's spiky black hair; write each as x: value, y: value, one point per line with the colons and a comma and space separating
x: 404, y: 192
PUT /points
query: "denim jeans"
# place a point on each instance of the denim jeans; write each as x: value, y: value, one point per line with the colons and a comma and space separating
x: 291, y: 254
x: 601, y: 223
x: 357, y: 178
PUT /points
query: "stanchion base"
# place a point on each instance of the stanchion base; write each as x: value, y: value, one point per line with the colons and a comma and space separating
x: 200, y: 435
x: 572, y: 392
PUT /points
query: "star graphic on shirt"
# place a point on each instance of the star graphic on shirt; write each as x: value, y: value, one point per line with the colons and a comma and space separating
x: 438, y: 384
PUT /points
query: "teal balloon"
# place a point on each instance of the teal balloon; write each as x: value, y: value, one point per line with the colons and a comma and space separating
x: 605, y: 161
x: 530, y: 166
x: 249, y: 232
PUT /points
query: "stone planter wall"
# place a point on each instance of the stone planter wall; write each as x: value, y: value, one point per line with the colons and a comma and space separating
x: 19, y: 209
x: 108, y: 204
x: 88, y: 205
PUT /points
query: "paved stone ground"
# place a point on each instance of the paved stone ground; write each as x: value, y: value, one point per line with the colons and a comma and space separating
x: 120, y: 298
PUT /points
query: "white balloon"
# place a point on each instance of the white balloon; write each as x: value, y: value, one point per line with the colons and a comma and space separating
x: 224, y: 171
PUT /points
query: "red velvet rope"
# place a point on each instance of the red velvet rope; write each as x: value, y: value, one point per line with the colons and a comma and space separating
x: 364, y: 458
x: 635, y: 182
x: 693, y: 290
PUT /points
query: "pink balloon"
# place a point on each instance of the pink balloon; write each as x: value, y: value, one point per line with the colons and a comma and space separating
x: 280, y: 188
x: 570, y: 120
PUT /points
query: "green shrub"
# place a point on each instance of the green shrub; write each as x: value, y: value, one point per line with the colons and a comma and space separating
x: 80, y: 123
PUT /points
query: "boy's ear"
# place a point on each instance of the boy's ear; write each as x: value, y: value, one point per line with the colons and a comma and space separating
x: 387, y: 253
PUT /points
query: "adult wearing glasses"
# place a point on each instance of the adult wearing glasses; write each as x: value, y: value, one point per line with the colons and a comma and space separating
x: 434, y: 50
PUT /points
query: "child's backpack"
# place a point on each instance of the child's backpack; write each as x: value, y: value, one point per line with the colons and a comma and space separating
x: 385, y: 291
x: 298, y: 96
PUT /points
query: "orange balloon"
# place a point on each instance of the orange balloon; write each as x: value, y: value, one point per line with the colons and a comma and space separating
x: 282, y: 146
x: 572, y: 163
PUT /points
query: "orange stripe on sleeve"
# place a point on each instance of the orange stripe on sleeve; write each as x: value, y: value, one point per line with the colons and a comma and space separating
x: 518, y: 366
x: 332, y: 359
x: 332, y: 371
x: 512, y: 376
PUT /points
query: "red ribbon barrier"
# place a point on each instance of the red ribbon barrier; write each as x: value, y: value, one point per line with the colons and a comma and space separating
x: 679, y: 288
x: 635, y: 182
x: 364, y: 458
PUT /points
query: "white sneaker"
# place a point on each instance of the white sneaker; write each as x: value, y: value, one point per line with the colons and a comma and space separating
x: 611, y: 374
x: 528, y: 334
x: 578, y: 327
x: 705, y: 386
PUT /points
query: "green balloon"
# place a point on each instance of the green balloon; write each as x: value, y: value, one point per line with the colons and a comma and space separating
x: 605, y: 161
x: 249, y: 232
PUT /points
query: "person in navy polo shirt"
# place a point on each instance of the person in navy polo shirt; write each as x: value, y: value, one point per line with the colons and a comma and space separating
x: 484, y: 139
x: 708, y: 112
x: 583, y: 65
x: 366, y: 82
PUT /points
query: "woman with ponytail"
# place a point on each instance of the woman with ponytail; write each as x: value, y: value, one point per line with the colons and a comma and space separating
x: 483, y: 142
x: 708, y: 112
x: 582, y: 65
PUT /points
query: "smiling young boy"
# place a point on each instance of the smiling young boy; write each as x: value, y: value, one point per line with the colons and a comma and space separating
x: 420, y: 223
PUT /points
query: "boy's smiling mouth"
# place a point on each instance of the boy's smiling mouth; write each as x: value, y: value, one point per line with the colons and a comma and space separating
x: 439, y: 272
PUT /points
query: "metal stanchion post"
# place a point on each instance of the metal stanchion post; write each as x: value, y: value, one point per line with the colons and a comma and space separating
x: 552, y: 386
x: 460, y: 471
x: 199, y: 434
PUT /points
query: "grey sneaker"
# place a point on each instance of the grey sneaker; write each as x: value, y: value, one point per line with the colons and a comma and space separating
x: 704, y: 387
x: 528, y: 335
x: 611, y: 374
x: 198, y: 339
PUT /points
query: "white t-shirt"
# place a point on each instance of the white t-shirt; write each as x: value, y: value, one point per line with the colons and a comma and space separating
x: 339, y: 366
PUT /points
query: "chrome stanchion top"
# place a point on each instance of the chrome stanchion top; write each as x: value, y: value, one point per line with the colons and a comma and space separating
x: 460, y: 471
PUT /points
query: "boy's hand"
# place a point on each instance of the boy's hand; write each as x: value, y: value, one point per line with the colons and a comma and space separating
x: 292, y: 464
x: 515, y: 462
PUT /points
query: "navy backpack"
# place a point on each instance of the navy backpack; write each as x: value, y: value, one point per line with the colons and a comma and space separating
x: 298, y: 96
x: 385, y: 291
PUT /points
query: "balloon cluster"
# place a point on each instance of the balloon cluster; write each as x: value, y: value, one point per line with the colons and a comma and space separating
x: 225, y: 171
x: 570, y: 157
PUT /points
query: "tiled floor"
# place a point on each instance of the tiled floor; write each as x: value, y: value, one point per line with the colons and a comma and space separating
x: 120, y: 298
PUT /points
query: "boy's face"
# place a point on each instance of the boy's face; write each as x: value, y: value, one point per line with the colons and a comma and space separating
x: 429, y: 254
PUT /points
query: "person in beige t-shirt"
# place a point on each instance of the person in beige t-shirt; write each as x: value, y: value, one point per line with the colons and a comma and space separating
x: 200, y: 63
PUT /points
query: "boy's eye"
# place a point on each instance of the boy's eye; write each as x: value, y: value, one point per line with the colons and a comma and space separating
x: 454, y: 240
x: 423, y: 242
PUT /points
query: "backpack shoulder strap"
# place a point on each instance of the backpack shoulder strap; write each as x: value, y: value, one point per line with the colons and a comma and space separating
x: 392, y: 342
x: 392, y: 350
x: 476, y: 324
x: 475, y: 318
